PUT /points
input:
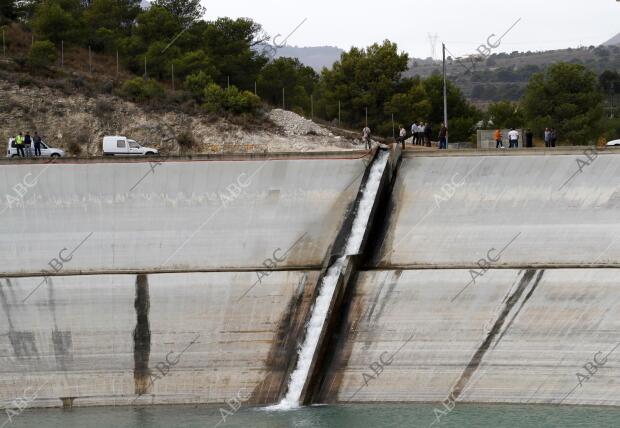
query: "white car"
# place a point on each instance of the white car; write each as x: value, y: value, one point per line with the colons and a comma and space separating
x: 122, y: 146
x: 46, y: 151
x: 613, y: 143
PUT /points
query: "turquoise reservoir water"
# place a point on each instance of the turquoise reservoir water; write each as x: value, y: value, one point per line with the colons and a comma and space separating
x: 405, y: 415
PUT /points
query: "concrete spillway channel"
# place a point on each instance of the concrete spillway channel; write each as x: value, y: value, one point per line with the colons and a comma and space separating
x: 336, y: 278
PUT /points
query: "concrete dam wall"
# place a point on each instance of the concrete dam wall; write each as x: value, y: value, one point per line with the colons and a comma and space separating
x: 482, y: 278
x: 494, y: 279
x: 179, y: 282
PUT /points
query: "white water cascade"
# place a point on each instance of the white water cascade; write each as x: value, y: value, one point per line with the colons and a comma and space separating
x: 328, y: 287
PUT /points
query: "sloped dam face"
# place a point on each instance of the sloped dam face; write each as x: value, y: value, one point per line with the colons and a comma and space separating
x: 480, y: 278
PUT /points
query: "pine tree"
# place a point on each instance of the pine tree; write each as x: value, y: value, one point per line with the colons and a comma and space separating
x: 188, y: 11
x: 8, y: 9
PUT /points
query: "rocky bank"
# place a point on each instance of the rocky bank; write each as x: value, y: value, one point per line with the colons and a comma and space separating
x: 78, y: 123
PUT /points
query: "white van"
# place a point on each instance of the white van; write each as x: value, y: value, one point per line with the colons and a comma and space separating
x: 46, y: 151
x: 122, y: 146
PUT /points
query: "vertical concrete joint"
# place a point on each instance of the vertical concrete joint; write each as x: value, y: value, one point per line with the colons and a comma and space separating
x: 142, y: 336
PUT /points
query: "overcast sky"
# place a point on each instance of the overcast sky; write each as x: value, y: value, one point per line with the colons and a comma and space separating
x: 462, y: 25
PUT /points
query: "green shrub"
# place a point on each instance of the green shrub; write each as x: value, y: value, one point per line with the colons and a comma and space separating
x: 192, y: 63
x: 196, y: 84
x: 103, y: 109
x: 104, y: 40
x: 74, y: 148
x: 230, y: 100
x: 58, y: 20
x: 612, y: 129
x: 186, y: 140
x: 21, y: 60
x: 42, y: 54
x: 139, y: 89
x: 24, y: 81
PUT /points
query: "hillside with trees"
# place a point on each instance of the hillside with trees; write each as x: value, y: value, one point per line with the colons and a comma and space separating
x: 503, y: 76
x: 167, y: 57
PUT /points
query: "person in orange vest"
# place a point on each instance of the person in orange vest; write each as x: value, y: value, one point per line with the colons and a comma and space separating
x: 498, y: 139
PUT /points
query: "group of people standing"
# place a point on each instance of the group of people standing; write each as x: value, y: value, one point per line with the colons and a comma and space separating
x: 551, y: 137
x: 25, y: 143
x: 513, y: 139
x: 421, y: 135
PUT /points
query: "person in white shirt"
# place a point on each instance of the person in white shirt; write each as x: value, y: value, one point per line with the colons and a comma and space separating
x: 418, y: 134
x: 513, y: 139
x: 414, y: 133
x: 422, y: 130
x: 366, y: 137
x: 402, y: 136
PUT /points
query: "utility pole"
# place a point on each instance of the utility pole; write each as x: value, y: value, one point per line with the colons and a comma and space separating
x: 145, y: 75
x: 283, y: 103
x: 117, y: 63
x: 338, y: 112
x: 445, y: 93
x: 228, y: 82
x: 255, y: 89
x: 613, y: 91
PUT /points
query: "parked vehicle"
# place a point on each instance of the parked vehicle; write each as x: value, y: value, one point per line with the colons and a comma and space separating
x: 122, y: 146
x: 46, y: 151
x: 613, y: 143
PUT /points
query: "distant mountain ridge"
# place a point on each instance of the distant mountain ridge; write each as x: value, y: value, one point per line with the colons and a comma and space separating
x: 316, y: 57
x: 505, y: 76
x: 613, y: 41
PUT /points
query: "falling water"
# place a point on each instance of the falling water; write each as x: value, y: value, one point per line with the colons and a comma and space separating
x: 328, y: 287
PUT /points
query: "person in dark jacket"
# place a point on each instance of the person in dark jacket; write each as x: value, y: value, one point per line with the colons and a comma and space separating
x: 428, y: 134
x: 529, y: 138
x: 443, y: 137
x: 554, y: 137
x: 36, y: 140
x: 28, y: 144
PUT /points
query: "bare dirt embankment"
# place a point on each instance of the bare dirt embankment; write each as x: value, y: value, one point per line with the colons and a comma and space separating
x: 78, y: 122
